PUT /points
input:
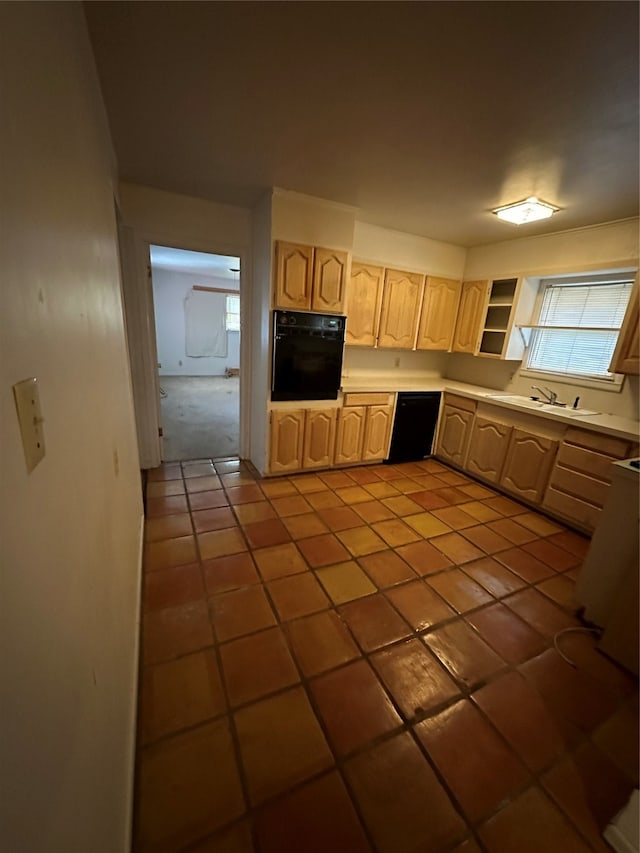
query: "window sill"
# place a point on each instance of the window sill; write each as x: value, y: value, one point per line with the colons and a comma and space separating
x: 614, y: 385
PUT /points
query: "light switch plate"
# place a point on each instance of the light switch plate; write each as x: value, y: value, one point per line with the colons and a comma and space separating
x: 30, y: 419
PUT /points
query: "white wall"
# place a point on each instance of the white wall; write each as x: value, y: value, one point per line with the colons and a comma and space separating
x: 170, y: 289
x: 260, y: 319
x: 70, y: 530
x: 407, y: 251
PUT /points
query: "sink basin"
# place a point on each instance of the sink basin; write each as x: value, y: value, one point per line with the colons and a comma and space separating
x: 568, y: 412
x: 518, y: 401
x: 541, y: 406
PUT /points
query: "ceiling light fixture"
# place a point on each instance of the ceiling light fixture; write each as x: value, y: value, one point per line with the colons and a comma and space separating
x: 528, y: 210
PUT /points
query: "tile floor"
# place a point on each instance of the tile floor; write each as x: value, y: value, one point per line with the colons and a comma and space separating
x: 363, y: 660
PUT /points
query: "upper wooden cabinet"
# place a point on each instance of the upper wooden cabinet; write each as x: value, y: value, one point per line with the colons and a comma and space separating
x: 400, y: 309
x: 439, y: 313
x: 626, y: 356
x: 310, y: 279
x: 363, y: 301
x: 473, y: 306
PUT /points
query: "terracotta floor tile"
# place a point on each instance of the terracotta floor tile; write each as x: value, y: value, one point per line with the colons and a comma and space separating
x: 552, y: 555
x: 509, y: 529
x: 406, y: 485
x: 468, y: 846
x: 539, y: 612
x: 478, y: 767
x: 389, y: 472
x: 252, y: 512
x: 167, y: 527
x: 321, y: 642
x: 386, y: 569
x: 232, y: 839
x: 452, y: 495
x: 617, y: 738
x: 381, y: 489
x: 373, y: 622
x: 459, y: 590
x: 176, y: 631
x: 213, y: 519
x: 581, y: 648
x: 452, y: 478
x: 538, y: 523
x: 198, y: 469
x: 464, y: 653
x: 423, y: 558
x: 524, y: 564
x: 419, y: 605
x: 361, y: 540
x: 244, y: 494
x: 575, y: 543
x: 170, y: 505
x: 477, y: 492
x: 226, y: 465
x: 257, y: 665
x: 202, y: 484
x: 354, y: 707
x: 395, y: 532
x: 165, y: 488
x: 278, y: 488
x: 493, y: 576
x: 457, y: 548
x: 521, y: 716
x: 414, y: 678
x: 486, y: 539
x: 281, y: 744
x: 505, y: 506
x: 323, y: 550
x: 428, y: 499
x: 208, y: 500
x: 180, y: 694
x: 363, y: 475
x: 402, y: 505
x: 455, y: 517
x: 172, y: 587
x: 299, y: 821
x: 340, y: 518
x: 219, y: 543
x: 528, y: 825
x: 291, y: 505
x: 308, y: 483
x: 279, y: 561
x: 336, y: 479
x: 188, y: 787
x: 233, y: 479
x: 232, y: 572
x: 262, y: 534
x: 169, y: 553
x: 423, y: 818
x: 298, y: 595
x: 481, y: 512
x: 323, y: 500
x: 427, y: 525
x: 514, y: 640
x: 345, y: 581
x: 242, y: 611
x: 373, y: 511
x: 561, y: 590
x: 171, y: 471
x: 302, y: 526
x: 353, y: 494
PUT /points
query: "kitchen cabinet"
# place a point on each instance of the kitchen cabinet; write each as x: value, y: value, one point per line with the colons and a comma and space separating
x: 527, y: 463
x: 309, y: 278
x: 401, y: 300
x: 350, y: 435
x: 377, y: 432
x: 626, y: 356
x: 287, y: 440
x: 319, y: 438
x: 498, y: 318
x: 439, y: 312
x: 471, y: 311
x: 364, y: 427
x: 487, y: 448
x: 363, y: 303
x: 454, y: 431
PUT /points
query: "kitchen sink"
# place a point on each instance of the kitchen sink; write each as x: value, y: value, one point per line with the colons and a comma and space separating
x: 517, y: 401
x: 541, y: 406
x: 569, y: 412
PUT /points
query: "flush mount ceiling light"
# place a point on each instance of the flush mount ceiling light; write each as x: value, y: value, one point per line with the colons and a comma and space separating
x: 525, y: 211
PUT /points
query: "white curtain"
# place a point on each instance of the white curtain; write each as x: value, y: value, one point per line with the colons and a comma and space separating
x: 206, y: 333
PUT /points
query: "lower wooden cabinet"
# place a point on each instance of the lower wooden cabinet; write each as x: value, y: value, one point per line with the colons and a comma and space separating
x: 527, y: 464
x: 377, y: 429
x: 350, y: 435
x: 319, y: 438
x: 287, y: 440
x: 488, y: 448
x: 454, y: 432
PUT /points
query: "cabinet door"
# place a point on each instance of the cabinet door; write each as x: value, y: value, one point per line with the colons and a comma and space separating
x: 287, y: 434
x: 294, y: 276
x: 473, y: 305
x: 363, y: 300
x: 626, y: 358
x: 319, y: 437
x: 487, y: 449
x: 527, y: 464
x: 439, y: 312
x: 350, y: 435
x: 455, y: 430
x: 377, y: 430
x: 329, y: 277
x: 400, y: 306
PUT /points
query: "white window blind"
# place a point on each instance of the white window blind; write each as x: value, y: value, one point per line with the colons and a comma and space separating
x: 232, y: 316
x: 578, y: 326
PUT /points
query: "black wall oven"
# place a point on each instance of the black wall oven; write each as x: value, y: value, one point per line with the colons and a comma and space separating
x: 307, y: 355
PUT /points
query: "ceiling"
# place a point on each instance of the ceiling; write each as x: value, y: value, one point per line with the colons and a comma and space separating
x: 424, y: 116
x: 183, y: 260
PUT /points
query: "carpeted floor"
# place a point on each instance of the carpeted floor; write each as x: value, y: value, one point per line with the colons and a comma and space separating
x: 200, y: 417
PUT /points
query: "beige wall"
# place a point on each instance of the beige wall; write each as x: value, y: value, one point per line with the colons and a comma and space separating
x: 261, y: 263
x: 407, y: 251
x: 70, y: 530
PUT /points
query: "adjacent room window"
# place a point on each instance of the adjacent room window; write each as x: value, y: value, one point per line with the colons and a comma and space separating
x: 577, y: 325
x: 232, y: 314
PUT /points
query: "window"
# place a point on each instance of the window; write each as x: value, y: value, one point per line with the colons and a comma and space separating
x: 232, y: 314
x: 577, y: 326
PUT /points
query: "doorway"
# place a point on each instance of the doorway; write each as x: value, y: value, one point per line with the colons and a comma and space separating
x: 196, y: 297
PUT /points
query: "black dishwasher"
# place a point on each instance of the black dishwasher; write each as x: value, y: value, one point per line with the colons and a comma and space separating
x: 414, y: 425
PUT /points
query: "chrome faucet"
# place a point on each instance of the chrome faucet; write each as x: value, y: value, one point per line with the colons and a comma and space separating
x: 549, y: 395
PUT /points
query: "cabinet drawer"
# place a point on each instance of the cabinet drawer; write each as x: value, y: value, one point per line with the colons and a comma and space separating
x: 606, y: 444
x: 460, y: 402
x: 586, y: 461
x: 579, y: 485
x: 368, y: 399
x: 585, y: 514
